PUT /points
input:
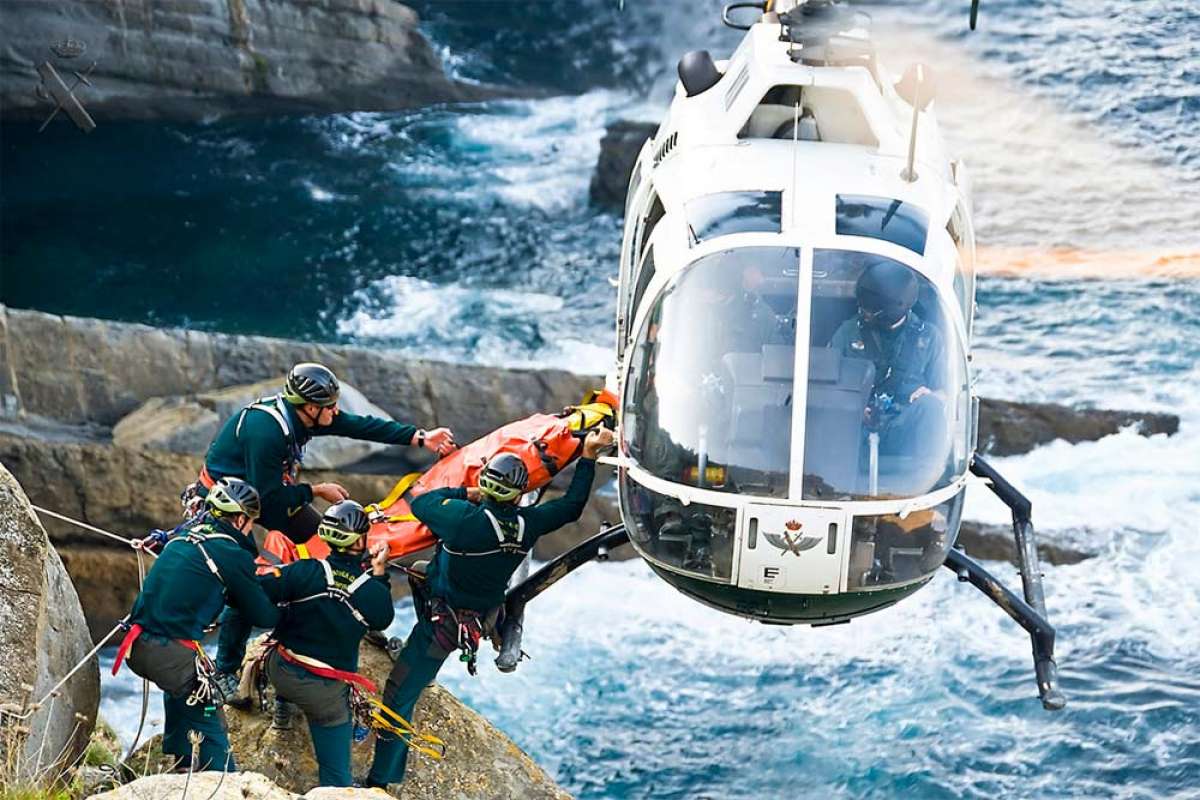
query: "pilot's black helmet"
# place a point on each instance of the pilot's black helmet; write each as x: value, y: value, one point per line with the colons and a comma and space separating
x: 886, y: 291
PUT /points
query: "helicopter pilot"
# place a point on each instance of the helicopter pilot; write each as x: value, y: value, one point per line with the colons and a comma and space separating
x: 905, y: 407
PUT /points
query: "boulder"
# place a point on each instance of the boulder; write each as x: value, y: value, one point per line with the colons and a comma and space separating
x: 188, y: 424
x: 195, y: 59
x: 481, y: 763
x: 619, y: 150
x: 212, y: 785
x: 43, y: 636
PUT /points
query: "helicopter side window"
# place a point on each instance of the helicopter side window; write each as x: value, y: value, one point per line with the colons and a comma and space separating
x: 887, y: 549
x: 964, y: 275
x: 645, y: 273
x: 882, y: 218
x: 887, y: 410
x: 734, y: 212
x: 696, y: 538
x: 709, y: 394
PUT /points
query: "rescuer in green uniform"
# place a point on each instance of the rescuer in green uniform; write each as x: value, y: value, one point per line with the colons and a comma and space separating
x: 482, y: 538
x: 329, y: 605
x: 210, y: 563
x: 264, y: 443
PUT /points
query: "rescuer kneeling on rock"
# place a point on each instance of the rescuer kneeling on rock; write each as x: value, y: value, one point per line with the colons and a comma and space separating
x: 482, y: 538
x: 312, y: 657
x: 263, y: 444
x: 210, y: 563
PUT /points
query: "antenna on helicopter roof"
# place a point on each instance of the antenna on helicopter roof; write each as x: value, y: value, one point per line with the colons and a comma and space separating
x: 916, y: 87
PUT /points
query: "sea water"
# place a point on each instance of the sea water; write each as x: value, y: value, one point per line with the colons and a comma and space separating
x: 465, y: 233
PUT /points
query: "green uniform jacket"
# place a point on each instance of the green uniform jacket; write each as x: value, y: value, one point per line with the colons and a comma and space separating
x: 905, y: 359
x: 479, y: 581
x: 181, y: 596
x: 324, y: 628
x: 261, y: 453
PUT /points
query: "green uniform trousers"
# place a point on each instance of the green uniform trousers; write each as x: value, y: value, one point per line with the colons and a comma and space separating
x: 172, y: 667
x: 326, y: 705
x: 417, y: 666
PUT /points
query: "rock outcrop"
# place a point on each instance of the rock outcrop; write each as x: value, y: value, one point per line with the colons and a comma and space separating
x: 194, y: 59
x: 481, y: 763
x: 218, y: 786
x: 188, y: 424
x: 43, y: 636
x: 619, y: 150
x: 1007, y: 428
x: 80, y: 371
x: 77, y: 371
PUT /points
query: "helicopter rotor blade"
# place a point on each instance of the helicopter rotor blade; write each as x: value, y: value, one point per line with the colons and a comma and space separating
x: 974, y: 13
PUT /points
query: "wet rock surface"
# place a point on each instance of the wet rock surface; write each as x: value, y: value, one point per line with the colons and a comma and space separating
x: 619, y: 149
x: 188, y: 424
x: 194, y: 59
x: 43, y: 635
x: 481, y: 763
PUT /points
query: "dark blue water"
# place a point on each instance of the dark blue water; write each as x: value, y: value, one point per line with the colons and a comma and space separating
x: 466, y: 233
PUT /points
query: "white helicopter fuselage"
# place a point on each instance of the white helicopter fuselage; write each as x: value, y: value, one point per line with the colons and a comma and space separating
x: 748, y: 476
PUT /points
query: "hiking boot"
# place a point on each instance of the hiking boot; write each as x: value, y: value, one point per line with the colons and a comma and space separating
x: 226, y: 685
x: 510, y: 648
x: 281, y: 718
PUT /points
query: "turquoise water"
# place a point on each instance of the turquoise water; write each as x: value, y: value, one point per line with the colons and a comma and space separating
x: 465, y: 233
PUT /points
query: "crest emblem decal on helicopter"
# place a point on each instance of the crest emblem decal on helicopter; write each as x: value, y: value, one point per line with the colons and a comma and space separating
x: 791, y: 540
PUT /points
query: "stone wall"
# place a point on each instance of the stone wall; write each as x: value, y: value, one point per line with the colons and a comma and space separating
x: 192, y: 59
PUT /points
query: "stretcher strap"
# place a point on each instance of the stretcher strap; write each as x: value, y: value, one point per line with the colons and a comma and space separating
x: 402, y: 486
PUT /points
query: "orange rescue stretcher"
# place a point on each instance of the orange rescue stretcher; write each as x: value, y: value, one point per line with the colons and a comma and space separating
x: 547, y: 443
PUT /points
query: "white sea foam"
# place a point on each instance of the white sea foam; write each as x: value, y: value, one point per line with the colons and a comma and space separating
x: 462, y: 323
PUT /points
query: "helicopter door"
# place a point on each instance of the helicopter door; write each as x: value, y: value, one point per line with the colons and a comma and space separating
x: 793, y: 550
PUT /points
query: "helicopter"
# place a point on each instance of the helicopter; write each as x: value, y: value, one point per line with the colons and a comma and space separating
x: 795, y: 303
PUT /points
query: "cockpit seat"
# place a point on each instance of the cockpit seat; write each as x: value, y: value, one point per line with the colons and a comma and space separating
x: 838, y: 390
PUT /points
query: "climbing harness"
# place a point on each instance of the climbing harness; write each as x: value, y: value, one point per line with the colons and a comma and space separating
x: 457, y: 629
x: 276, y: 407
x: 507, y: 542
x: 335, y: 592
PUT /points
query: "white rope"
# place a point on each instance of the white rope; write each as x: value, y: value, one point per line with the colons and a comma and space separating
x: 33, y: 709
x: 136, y: 544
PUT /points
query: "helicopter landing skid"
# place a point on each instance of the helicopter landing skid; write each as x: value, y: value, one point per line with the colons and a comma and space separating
x: 1030, y: 612
x: 593, y: 549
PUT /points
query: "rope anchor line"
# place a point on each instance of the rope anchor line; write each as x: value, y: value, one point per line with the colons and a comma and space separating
x: 139, y: 550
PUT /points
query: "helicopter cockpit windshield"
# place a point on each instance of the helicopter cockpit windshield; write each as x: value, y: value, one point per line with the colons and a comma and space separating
x: 709, y: 402
x: 887, y: 411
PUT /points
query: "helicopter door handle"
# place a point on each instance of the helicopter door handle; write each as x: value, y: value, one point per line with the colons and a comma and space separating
x: 732, y: 6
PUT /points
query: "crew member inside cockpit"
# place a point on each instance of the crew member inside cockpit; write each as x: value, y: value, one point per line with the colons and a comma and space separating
x: 905, y: 407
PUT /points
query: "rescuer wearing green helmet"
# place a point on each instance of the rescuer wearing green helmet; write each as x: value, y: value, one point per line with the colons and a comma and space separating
x: 210, y: 562
x: 329, y: 605
x: 482, y: 538
x: 264, y: 443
